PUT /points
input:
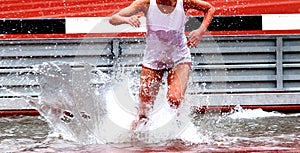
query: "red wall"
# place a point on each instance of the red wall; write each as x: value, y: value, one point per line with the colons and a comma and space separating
x: 59, y: 8
x: 101, y: 8
x: 91, y: 8
x: 246, y: 7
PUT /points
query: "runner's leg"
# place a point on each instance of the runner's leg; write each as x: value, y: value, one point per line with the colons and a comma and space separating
x: 150, y: 81
x: 177, y: 83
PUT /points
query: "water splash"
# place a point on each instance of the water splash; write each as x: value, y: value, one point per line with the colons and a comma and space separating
x: 85, y: 105
x: 70, y: 100
x: 239, y: 113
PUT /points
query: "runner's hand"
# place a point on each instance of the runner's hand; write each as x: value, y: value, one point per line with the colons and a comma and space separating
x: 134, y: 20
x: 195, y: 38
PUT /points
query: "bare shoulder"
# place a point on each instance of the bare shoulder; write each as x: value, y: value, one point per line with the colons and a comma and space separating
x: 142, y: 5
x: 196, y: 4
x: 142, y: 2
x: 135, y: 7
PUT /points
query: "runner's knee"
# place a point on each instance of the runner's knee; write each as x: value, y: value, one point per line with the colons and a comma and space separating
x: 174, y: 100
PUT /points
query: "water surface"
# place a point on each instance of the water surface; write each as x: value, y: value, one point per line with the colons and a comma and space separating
x: 227, y: 132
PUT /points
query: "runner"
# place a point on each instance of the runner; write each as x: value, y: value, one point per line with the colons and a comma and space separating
x: 167, y: 48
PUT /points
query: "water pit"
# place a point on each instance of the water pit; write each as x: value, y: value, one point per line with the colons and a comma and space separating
x: 76, y: 107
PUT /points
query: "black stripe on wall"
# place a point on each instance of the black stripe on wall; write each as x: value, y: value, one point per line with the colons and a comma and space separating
x: 32, y: 26
x: 57, y: 26
x: 227, y: 23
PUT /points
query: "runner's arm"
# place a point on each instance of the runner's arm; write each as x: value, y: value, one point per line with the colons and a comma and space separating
x: 205, y: 7
x: 129, y: 15
x: 209, y: 10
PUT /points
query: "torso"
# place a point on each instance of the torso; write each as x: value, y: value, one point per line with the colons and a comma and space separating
x: 166, y: 41
x: 167, y: 10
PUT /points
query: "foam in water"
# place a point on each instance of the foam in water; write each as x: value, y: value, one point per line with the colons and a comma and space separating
x: 240, y: 113
x: 85, y: 105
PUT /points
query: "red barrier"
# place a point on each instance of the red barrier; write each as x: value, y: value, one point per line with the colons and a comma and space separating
x: 203, y: 109
x: 268, y: 108
x: 23, y: 112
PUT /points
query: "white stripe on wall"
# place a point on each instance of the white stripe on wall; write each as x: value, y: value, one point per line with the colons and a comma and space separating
x: 281, y: 22
x: 99, y: 25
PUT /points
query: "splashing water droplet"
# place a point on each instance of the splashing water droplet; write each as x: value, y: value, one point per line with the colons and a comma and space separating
x: 91, y: 108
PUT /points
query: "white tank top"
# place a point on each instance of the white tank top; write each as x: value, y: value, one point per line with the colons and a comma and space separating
x: 166, y: 41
